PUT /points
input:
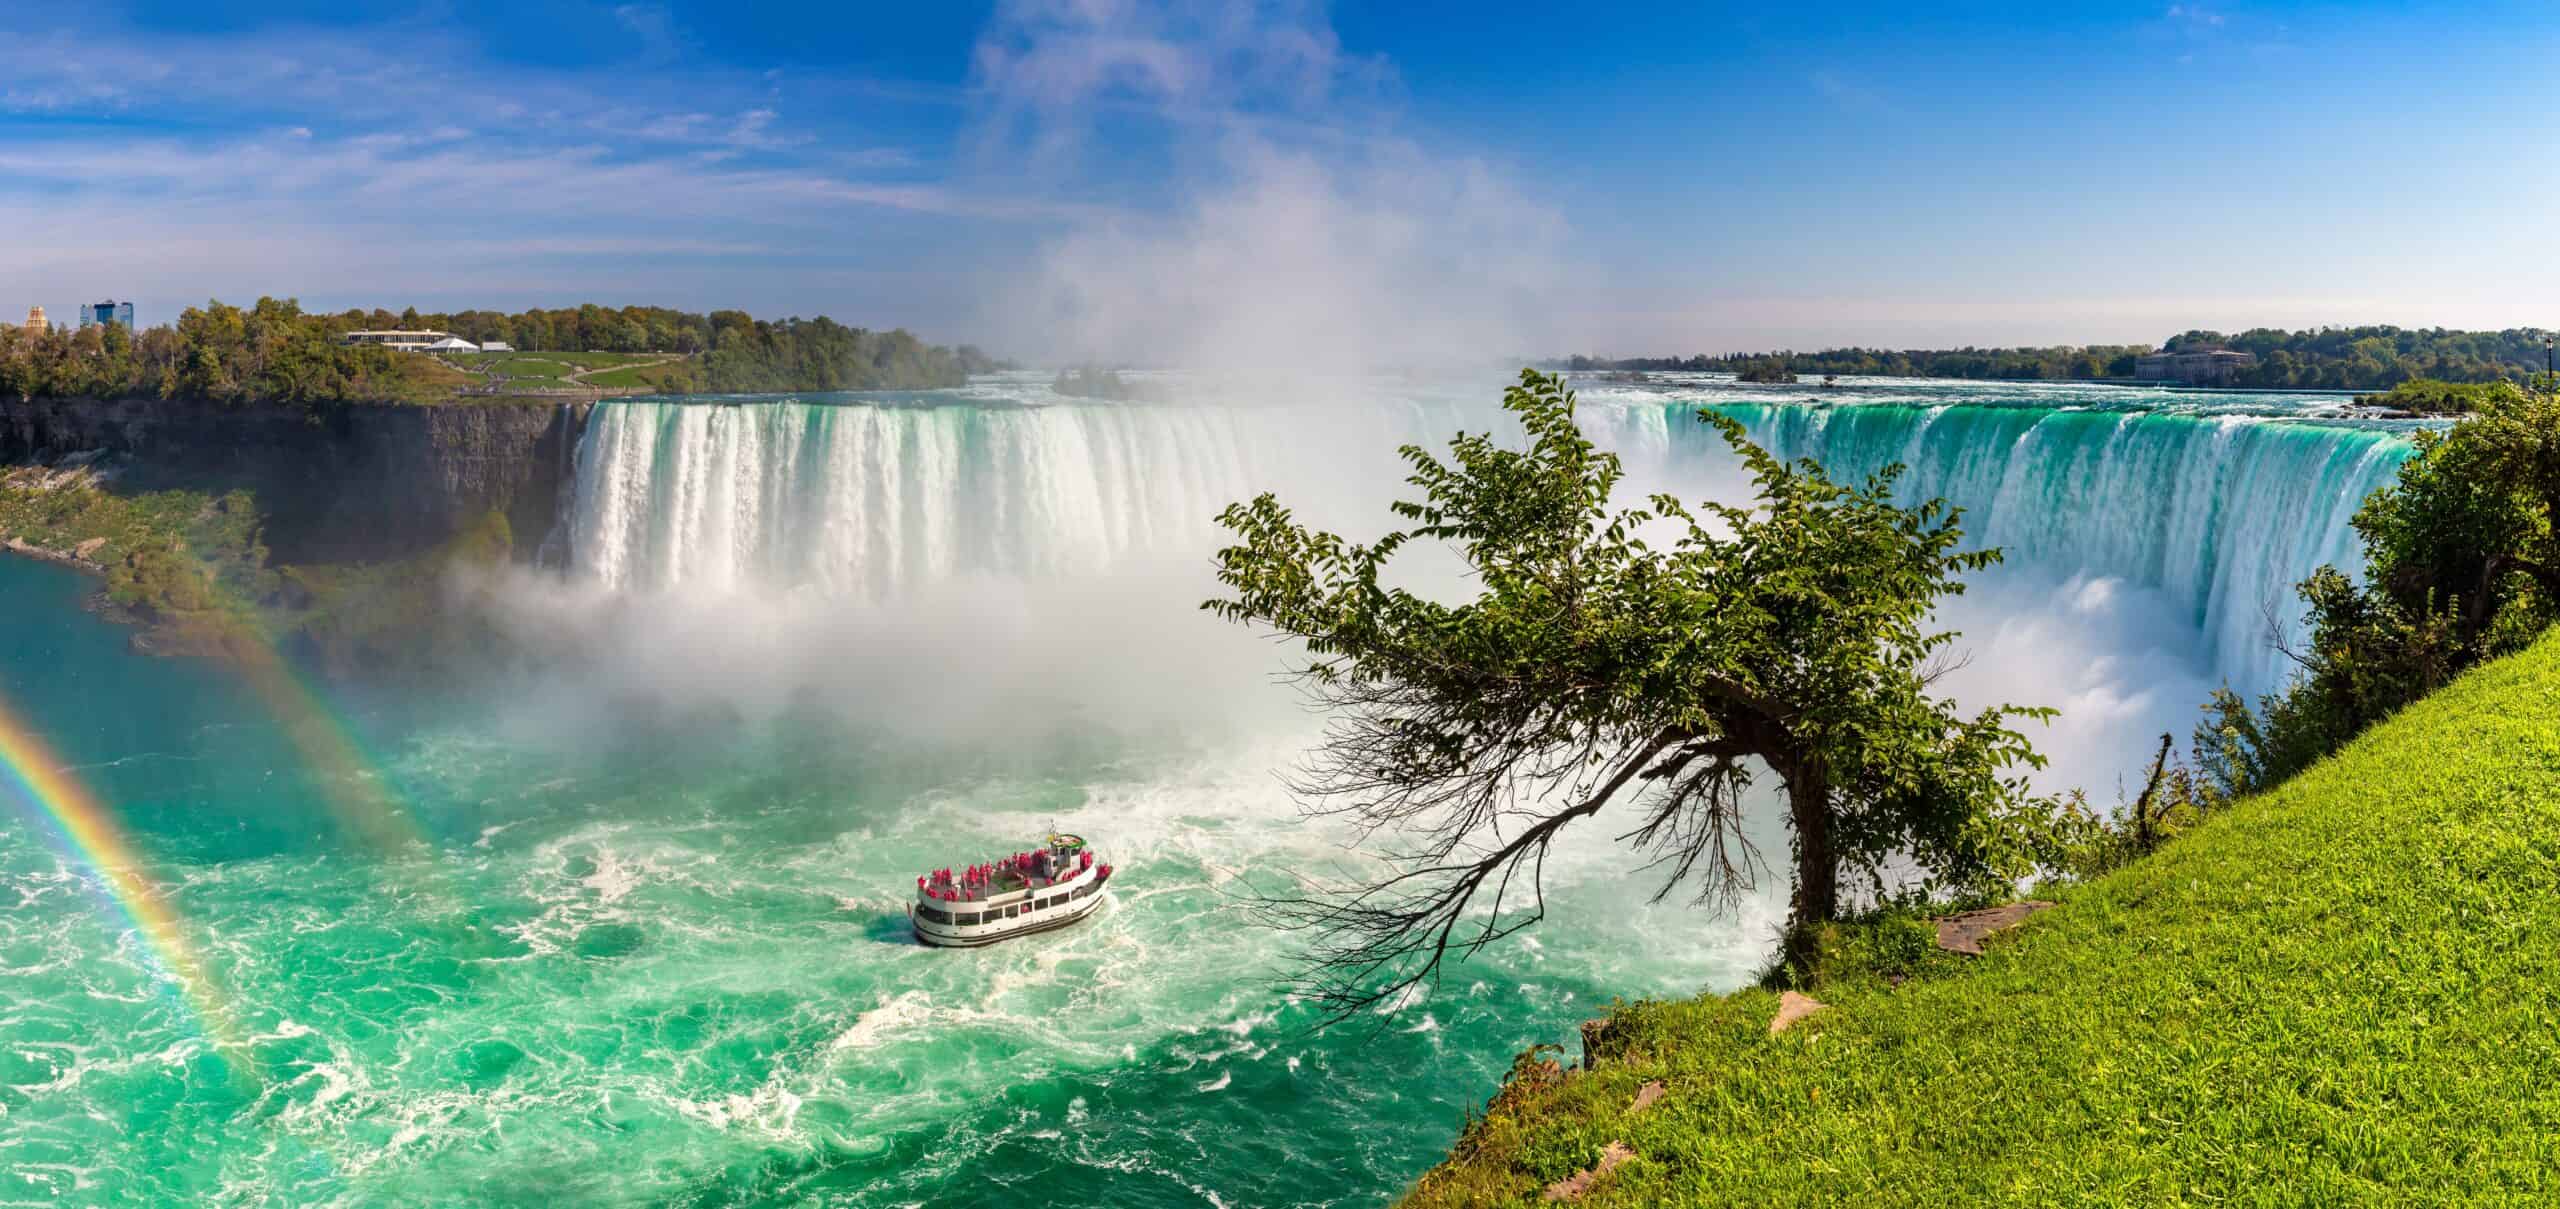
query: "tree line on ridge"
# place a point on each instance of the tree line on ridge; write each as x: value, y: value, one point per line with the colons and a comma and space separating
x: 276, y: 352
x: 2374, y: 357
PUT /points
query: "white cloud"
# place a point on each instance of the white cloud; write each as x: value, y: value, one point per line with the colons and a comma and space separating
x: 754, y: 128
x: 1303, y: 230
x: 367, y: 164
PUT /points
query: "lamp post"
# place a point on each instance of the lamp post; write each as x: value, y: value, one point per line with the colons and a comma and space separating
x: 2550, y: 365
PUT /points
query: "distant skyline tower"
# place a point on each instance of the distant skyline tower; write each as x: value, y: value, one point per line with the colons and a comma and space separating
x: 36, y: 324
x: 119, y: 314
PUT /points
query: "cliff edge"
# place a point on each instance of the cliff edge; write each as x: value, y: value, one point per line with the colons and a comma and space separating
x: 2337, y: 992
x: 353, y: 483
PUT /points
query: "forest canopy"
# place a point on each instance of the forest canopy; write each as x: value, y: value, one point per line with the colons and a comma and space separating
x: 2333, y: 358
x: 276, y: 352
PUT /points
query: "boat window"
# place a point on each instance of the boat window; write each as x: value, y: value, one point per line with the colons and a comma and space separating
x: 1010, y: 912
x: 966, y: 918
x: 933, y: 914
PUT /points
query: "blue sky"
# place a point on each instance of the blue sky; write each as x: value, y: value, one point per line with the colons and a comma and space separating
x: 1092, y: 177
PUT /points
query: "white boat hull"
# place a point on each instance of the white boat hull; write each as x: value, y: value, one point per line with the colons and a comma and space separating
x: 949, y: 925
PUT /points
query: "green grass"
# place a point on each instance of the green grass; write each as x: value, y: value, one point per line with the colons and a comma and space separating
x: 529, y: 367
x: 674, y: 375
x: 608, y: 371
x: 608, y: 360
x: 2344, y: 991
x: 68, y: 516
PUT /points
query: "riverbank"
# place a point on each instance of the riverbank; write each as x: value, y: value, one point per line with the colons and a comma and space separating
x: 215, y: 529
x: 2337, y: 992
x: 352, y: 483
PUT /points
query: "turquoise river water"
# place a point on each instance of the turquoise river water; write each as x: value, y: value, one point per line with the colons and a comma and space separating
x: 638, y: 937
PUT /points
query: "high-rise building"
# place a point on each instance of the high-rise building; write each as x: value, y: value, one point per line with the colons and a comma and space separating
x: 111, y: 312
x: 36, y: 324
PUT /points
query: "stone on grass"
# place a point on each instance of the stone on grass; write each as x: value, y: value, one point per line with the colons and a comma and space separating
x: 1792, y: 1006
x: 1963, y: 931
x: 1571, y: 1187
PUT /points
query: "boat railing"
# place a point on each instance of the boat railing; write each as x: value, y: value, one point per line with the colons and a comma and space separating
x: 1027, y: 886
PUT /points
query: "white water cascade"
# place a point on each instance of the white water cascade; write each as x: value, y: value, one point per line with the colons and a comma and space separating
x: 867, y: 501
x: 2219, y: 514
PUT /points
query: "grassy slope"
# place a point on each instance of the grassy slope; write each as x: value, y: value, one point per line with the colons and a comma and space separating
x: 640, y: 377
x: 424, y: 380
x: 608, y: 371
x: 2343, y: 991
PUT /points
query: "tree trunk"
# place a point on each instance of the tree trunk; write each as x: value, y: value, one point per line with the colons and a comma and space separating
x: 1817, y: 897
x: 2142, y: 805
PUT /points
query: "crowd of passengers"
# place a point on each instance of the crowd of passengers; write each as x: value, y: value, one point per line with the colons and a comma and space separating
x: 1036, y: 869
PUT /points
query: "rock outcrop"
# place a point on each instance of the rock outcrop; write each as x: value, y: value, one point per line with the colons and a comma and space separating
x: 352, y: 483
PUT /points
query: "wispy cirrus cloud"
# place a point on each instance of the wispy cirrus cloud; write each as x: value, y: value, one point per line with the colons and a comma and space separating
x: 343, y: 162
x: 1281, y: 210
x: 661, y: 41
x: 2194, y: 16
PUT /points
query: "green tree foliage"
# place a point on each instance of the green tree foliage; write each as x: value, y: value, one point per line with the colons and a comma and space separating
x: 1770, y: 370
x: 2434, y: 397
x: 820, y: 354
x: 2462, y: 564
x: 1787, y: 637
x: 271, y: 352
x: 744, y: 354
x: 2329, y: 358
x: 2376, y: 357
x: 2064, y: 361
x: 274, y: 352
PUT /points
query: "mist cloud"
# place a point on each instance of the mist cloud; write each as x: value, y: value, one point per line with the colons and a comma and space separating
x: 1301, y: 231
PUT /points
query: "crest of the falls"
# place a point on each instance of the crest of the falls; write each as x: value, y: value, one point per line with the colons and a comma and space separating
x: 868, y: 500
x: 2220, y: 514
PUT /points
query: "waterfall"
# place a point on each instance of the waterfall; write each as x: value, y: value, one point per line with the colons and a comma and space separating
x: 553, y: 552
x: 866, y: 500
x: 2219, y: 514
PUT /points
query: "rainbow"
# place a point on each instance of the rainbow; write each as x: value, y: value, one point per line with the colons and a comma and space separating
x: 352, y: 781
x: 31, y: 768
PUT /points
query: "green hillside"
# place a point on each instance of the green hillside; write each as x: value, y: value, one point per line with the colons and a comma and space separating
x: 2344, y: 991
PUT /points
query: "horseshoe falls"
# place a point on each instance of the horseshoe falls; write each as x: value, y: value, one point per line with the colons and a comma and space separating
x: 2219, y: 513
x: 648, y: 948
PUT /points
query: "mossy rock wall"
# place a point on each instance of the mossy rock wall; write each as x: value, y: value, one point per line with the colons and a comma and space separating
x: 349, y: 483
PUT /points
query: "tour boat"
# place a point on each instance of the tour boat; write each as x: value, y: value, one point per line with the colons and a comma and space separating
x: 1047, y: 887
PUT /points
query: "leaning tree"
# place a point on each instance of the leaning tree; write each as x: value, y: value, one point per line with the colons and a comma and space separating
x: 1659, y: 657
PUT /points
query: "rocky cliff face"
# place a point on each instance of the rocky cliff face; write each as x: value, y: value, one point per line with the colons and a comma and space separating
x: 359, y: 483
